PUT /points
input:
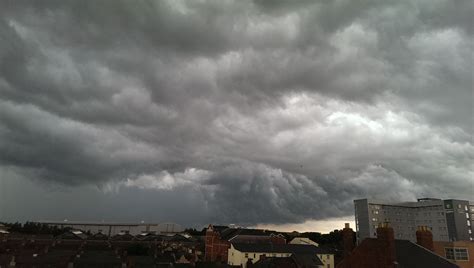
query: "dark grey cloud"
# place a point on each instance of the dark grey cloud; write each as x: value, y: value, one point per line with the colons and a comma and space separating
x: 255, y: 112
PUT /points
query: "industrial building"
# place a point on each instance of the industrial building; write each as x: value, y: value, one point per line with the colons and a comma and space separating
x: 111, y: 229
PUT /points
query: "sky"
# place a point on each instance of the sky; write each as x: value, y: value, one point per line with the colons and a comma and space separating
x: 256, y: 113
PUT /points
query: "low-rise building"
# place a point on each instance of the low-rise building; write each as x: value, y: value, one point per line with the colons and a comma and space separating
x: 219, y: 238
x: 303, y: 241
x: 3, y: 231
x: 459, y: 252
x: 295, y: 261
x: 388, y: 252
x: 240, y: 254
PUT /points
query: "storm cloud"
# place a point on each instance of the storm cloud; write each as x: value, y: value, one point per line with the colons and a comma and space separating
x: 253, y: 112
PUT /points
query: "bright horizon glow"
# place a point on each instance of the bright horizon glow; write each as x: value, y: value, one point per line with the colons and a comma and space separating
x: 321, y: 226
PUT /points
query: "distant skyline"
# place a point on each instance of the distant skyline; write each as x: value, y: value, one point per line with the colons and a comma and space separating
x: 257, y: 113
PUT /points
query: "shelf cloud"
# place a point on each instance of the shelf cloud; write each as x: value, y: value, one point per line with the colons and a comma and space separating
x: 254, y: 112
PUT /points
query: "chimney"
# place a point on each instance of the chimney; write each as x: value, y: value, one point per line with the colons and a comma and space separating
x: 386, y: 237
x: 249, y: 263
x: 348, y: 240
x: 424, y: 237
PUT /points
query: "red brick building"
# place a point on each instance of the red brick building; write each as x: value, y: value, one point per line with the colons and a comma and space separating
x: 216, y: 248
x: 387, y: 252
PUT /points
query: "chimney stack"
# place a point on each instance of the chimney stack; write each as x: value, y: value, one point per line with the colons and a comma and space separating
x: 386, y: 236
x: 348, y: 240
x: 424, y: 237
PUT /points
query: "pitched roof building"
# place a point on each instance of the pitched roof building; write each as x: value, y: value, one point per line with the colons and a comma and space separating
x: 387, y: 252
x: 218, y: 240
x: 459, y: 252
x: 244, y: 254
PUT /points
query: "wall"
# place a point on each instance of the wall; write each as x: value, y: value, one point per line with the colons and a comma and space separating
x: 327, y: 259
x: 403, y: 217
x: 459, y: 222
x: 439, y: 248
x: 362, y: 219
x: 238, y: 258
x: 216, y: 249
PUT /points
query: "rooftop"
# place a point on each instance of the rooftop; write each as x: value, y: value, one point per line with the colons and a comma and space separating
x: 280, y: 248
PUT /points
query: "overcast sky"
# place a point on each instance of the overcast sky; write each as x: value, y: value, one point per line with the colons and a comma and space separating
x: 249, y: 112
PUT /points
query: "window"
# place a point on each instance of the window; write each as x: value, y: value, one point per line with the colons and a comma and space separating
x: 457, y: 254
x: 246, y: 255
x: 374, y: 219
x: 449, y: 253
x: 461, y: 254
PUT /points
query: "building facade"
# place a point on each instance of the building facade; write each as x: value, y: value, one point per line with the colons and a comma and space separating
x: 216, y: 248
x: 240, y: 254
x: 458, y: 252
x: 388, y: 252
x: 219, y: 238
x: 448, y: 220
x: 111, y: 229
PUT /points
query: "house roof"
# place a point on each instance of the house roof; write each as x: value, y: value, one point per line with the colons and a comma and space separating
x: 232, y: 232
x: 99, y: 236
x: 275, y: 262
x: 122, y: 237
x: 410, y: 255
x: 307, y: 260
x: 250, y: 239
x: 97, y: 257
x: 279, y: 248
x: 73, y: 235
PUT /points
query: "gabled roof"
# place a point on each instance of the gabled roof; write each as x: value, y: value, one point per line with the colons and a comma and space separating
x: 307, y: 260
x: 275, y: 262
x: 279, y: 248
x: 123, y: 237
x: 232, y: 232
x: 99, y: 236
x: 410, y: 255
x: 74, y: 235
x: 250, y: 239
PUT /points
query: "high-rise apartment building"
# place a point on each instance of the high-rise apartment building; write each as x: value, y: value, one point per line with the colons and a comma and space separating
x: 448, y: 220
